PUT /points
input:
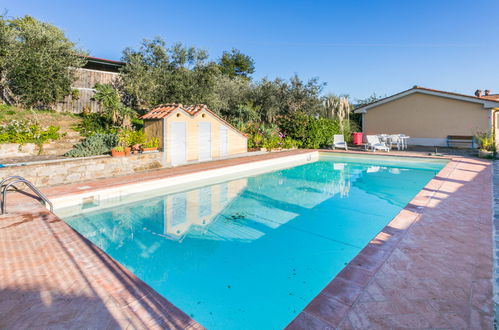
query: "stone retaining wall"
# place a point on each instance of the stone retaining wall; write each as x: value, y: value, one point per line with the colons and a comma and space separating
x: 14, y: 150
x: 67, y: 171
x: 18, y: 150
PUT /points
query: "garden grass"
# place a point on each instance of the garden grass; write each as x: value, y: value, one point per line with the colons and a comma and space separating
x: 44, y: 118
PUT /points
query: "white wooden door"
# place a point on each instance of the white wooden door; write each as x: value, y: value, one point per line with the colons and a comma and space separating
x: 224, y: 148
x: 204, y: 141
x: 178, y: 143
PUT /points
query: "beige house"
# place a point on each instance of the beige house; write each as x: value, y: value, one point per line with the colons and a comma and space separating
x: 429, y: 116
x: 188, y: 133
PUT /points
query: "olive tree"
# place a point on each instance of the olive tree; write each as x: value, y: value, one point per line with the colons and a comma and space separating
x: 37, y: 62
x: 156, y: 73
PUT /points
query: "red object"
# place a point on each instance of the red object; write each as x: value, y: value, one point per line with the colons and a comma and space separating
x: 357, y: 138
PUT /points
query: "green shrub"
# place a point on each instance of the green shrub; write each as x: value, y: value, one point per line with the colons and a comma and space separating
x: 93, y: 123
x: 137, y: 123
x: 272, y: 142
x: 255, y: 140
x: 313, y: 133
x: 486, y: 141
x: 97, y: 144
x: 151, y: 143
x: 320, y: 133
x: 137, y: 137
x: 125, y: 137
x: 289, y: 143
x: 128, y: 138
x: 27, y: 132
x: 295, y: 125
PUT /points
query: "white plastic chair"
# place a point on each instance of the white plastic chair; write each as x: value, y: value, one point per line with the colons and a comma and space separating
x: 339, y: 142
x: 403, y: 141
x: 374, y: 143
x: 395, y: 139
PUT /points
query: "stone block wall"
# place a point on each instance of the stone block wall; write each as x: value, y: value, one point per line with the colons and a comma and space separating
x: 17, y: 150
x: 67, y: 171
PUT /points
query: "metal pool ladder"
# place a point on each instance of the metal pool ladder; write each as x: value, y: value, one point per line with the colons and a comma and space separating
x: 6, y: 183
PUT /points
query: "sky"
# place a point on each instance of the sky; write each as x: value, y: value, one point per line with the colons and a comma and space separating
x: 357, y: 47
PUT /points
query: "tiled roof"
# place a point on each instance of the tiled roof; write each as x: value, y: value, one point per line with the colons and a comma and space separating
x: 491, y: 98
x: 164, y: 110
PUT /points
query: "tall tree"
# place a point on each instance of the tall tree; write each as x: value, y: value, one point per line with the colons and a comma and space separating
x: 236, y: 64
x: 155, y: 74
x: 38, y: 62
x: 7, y: 40
x: 279, y: 97
x: 368, y: 100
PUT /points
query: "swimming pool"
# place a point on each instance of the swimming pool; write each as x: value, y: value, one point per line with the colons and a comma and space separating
x: 253, y: 251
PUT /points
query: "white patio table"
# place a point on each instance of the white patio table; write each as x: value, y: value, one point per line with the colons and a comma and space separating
x: 403, y: 139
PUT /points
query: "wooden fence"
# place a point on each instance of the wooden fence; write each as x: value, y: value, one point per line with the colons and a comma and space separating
x: 85, y: 82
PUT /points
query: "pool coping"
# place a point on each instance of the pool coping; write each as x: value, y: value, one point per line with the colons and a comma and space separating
x: 346, y: 287
x: 82, y: 192
x: 175, y: 176
x: 332, y: 305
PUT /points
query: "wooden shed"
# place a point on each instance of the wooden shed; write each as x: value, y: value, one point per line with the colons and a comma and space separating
x: 193, y: 132
x: 96, y: 70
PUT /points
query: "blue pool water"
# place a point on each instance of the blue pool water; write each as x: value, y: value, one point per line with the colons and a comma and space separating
x: 251, y: 253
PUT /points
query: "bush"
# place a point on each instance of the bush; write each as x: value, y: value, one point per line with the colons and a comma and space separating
x: 295, y: 125
x: 313, y: 133
x: 137, y: 123
x: 94, y: 123
x: 27, y: 132
x: 320, y: 133
x: 486, y: 141
x: 272, y: 142
x: 151, y: 143
x: 289, y: 143
x: 137, y: 138
x: 97, y: 144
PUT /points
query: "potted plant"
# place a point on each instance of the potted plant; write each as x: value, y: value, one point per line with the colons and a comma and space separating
x: 118, y: 151
x: 124, y: 140
x: 150, y: 145
x: 487, y: 146
x: 137, y: 138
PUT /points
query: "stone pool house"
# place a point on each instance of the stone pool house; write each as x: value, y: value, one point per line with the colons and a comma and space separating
x: 192, y: 133
x: 429, y: 116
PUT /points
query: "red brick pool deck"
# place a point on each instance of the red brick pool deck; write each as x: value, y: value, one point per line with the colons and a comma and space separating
x: 430, y: 267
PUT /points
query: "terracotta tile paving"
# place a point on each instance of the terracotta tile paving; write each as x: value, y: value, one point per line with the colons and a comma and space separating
x: 51, y: 277
x: 429, y: 268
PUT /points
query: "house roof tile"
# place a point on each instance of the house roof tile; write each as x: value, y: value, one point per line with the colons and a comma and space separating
x: 165, y: 110
x: 483, y: 99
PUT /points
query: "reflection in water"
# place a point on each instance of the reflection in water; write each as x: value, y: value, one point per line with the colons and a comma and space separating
x: 207, y: 213
x: 195, y: 209
x: 217, y: 250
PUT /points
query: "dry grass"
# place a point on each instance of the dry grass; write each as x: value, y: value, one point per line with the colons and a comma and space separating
x: 43, y: 117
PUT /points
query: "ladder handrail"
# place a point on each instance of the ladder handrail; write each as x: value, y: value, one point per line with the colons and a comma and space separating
x: 6, y: 187
x: 2, y: 183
